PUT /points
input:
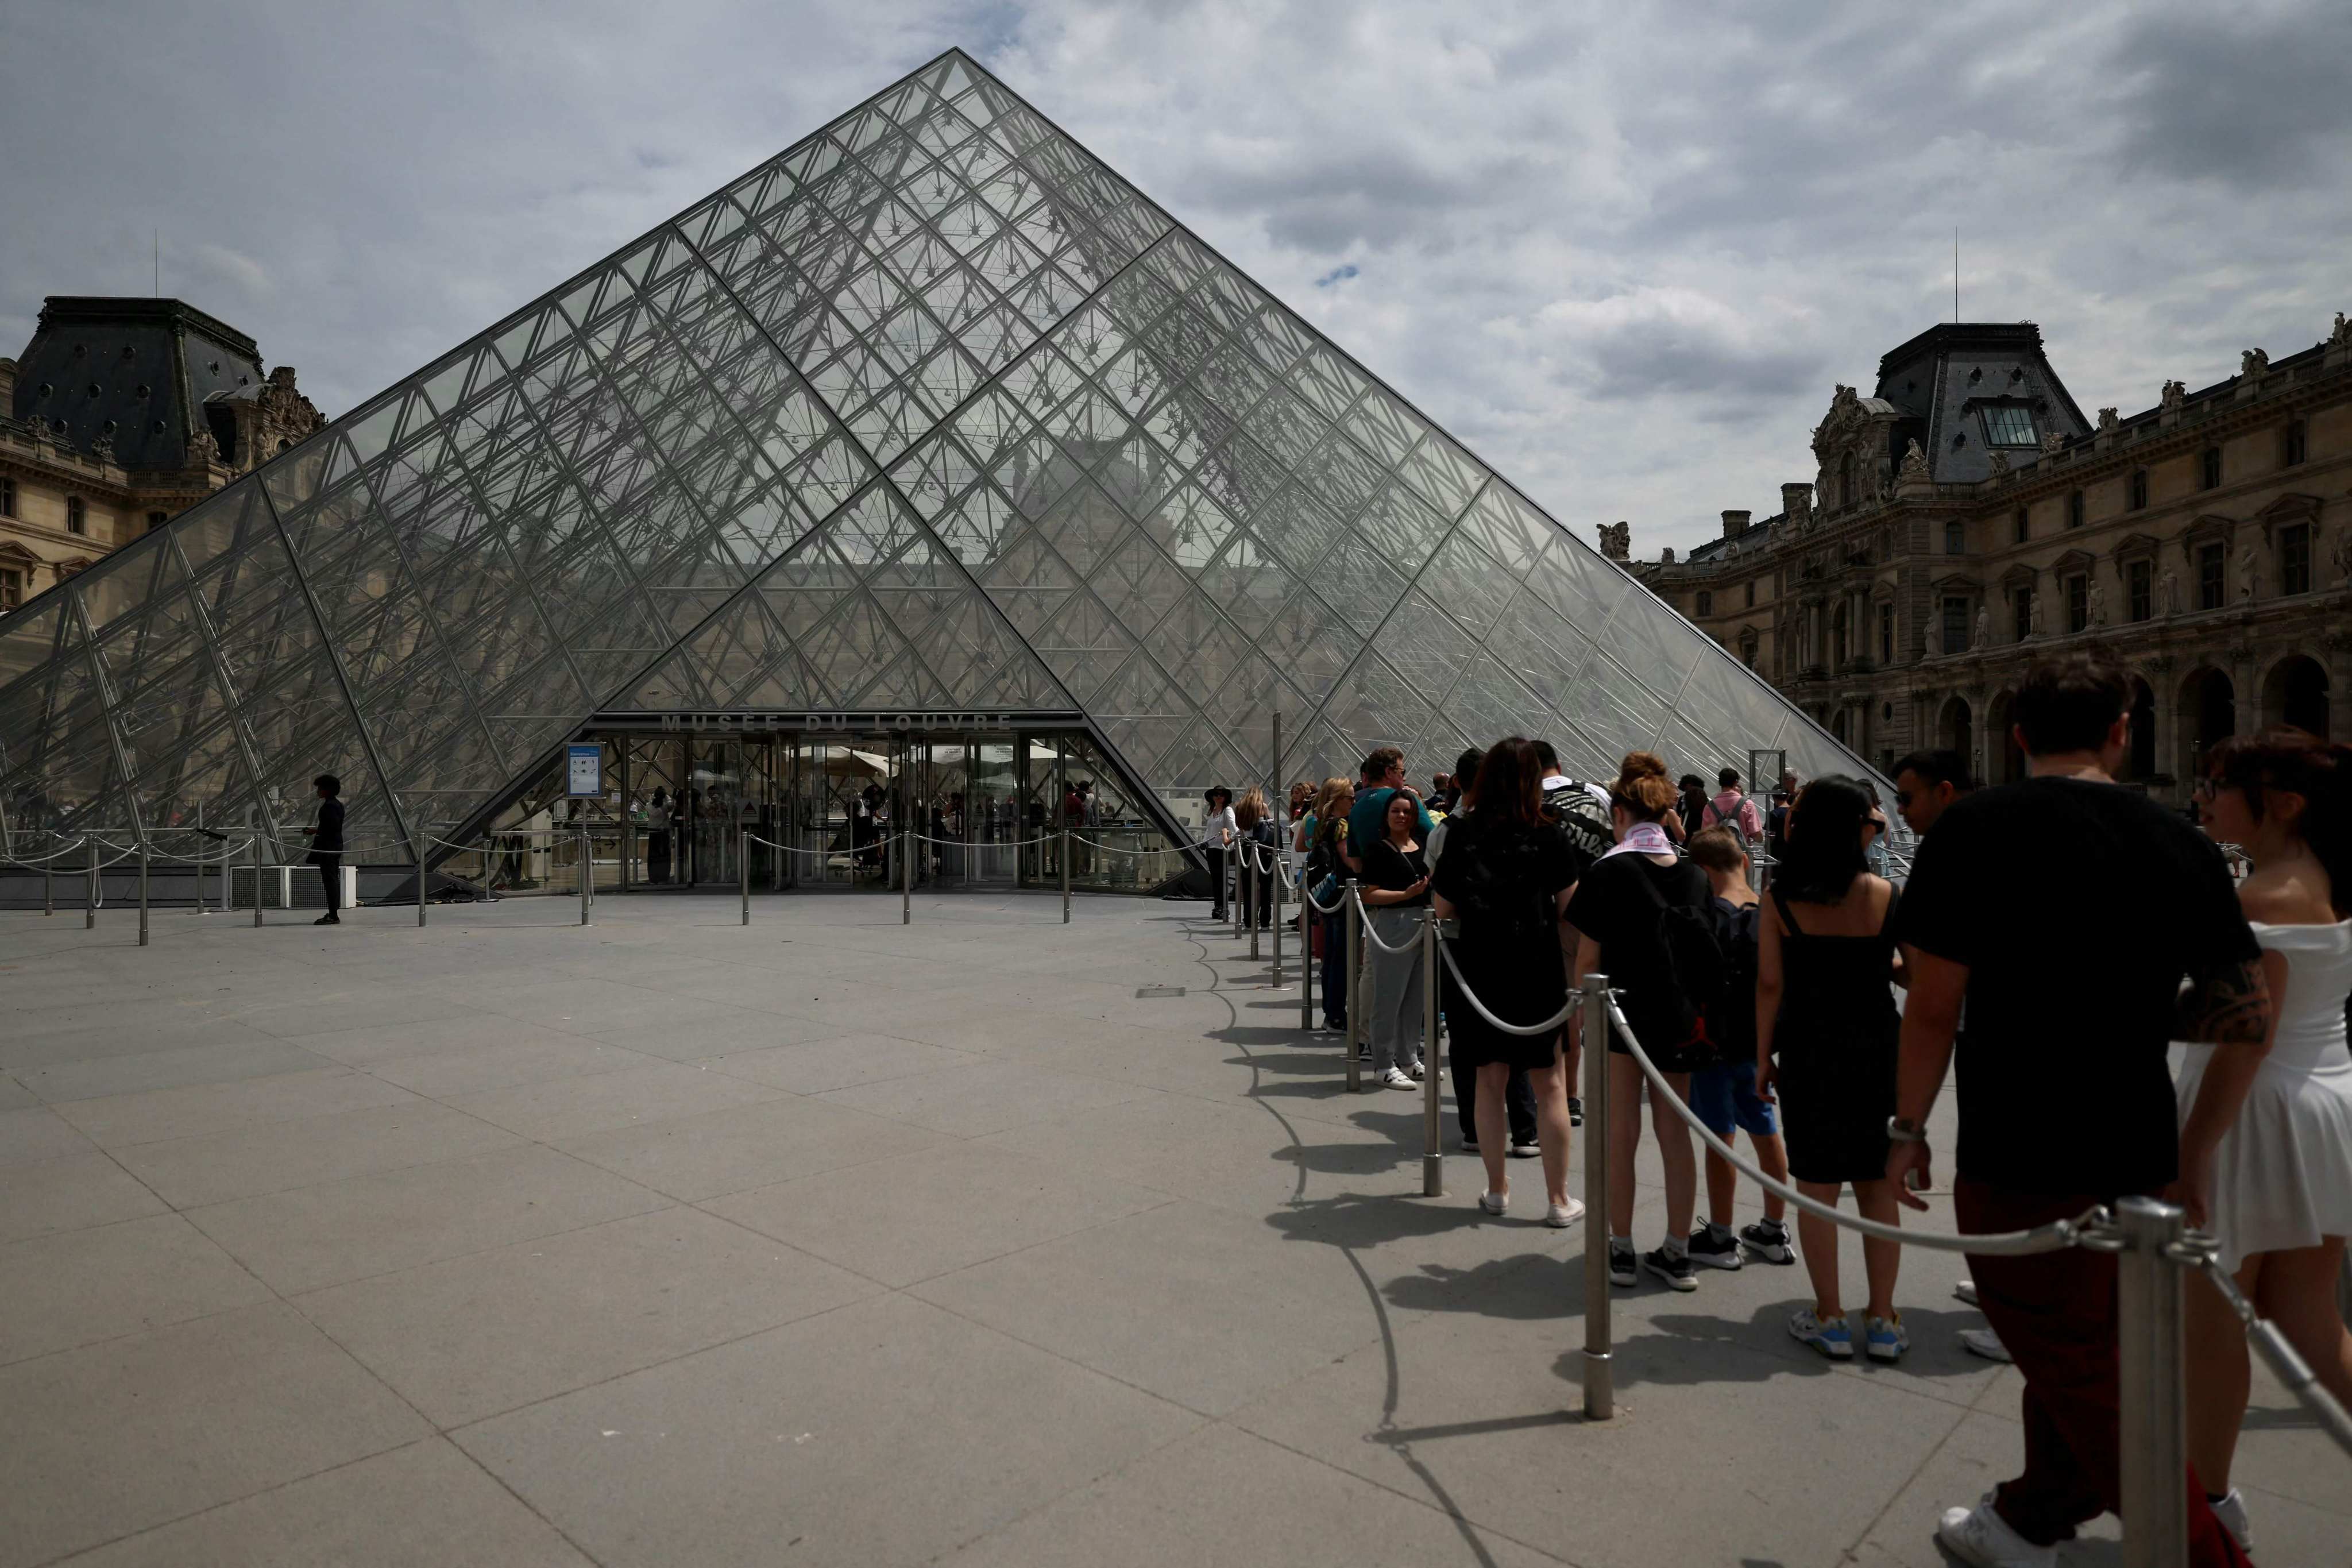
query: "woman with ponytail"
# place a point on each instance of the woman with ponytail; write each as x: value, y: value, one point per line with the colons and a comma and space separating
x: 1627, y: 910
x: 2275, y: 1186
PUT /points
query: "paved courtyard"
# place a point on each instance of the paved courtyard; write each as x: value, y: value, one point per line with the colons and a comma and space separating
x: 832, y: 1240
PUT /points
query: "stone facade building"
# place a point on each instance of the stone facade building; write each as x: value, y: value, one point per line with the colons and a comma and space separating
x: 118, y: 415
x: 1965, y: 520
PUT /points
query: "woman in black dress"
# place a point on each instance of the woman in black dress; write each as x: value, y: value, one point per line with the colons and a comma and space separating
x: 1620, y: 913
x: 1506, y: 874
x: 1825, y: 1004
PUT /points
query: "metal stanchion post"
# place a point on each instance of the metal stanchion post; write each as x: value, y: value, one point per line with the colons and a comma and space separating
x: 1274, y: 914
x: 416, y: 842
x: 906, y: 880
x: 1065, y: 873
x: 50, y: 884
x: 143, y: 892
x: 1305, y: 961
x: 2154, y: 1403
x: 90, y: 892
x: 585, y: 914
x: 1600, y: 1383
x: 1355, y: 986
x: 1432, y: 1162
x: 257, y: 878
x: 743, y: 868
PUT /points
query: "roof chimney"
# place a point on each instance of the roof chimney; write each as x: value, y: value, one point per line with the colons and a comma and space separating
x: 1735, y: 523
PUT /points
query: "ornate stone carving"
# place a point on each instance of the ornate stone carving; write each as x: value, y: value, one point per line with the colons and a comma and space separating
x: 2167, y: 593
x: 2254, y: 362
x: 2000, y: 463
x: 2173, y: 395
x: 2098, y: 603
x: 2341, y: 333
x: 1984, y: 627
x: 2053, y: 441
x: 101, y: 446
x: 2040, y: 622
x: 1915, y: 466
x: 2108, y: 423
x: 2344, y: 547
x: 1666, y: 556
x: 202, y: 448
x: 2249, y: 573
x: 1617, y: 540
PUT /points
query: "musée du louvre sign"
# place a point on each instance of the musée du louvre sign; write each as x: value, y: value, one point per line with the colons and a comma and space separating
x: 863, y: 723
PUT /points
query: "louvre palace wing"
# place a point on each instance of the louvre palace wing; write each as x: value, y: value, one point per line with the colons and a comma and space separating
x: 932, y: 413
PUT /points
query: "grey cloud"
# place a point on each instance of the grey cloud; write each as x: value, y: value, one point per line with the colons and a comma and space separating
x: 2246, y: 95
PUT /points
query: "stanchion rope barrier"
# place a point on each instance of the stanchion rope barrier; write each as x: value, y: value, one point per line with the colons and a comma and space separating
x: 1370, y: 936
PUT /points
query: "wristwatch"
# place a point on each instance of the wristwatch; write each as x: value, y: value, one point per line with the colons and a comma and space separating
x: 1903, y: 1130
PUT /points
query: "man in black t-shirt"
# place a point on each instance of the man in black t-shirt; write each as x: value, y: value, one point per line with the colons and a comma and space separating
x: 2066, y: 912
x: 327, y: 845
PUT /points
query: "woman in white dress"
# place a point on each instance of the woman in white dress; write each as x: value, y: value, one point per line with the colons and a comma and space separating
x: 2276, y: 1188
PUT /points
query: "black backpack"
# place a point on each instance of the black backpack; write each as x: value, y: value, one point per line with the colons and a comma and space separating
x: 1689, y: 982
x: 1733, y: 1026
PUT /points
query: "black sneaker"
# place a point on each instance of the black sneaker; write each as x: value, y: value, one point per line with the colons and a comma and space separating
x: 1575, y: 1112
x: 1528, y: 1151
x: 1675, y: 1269
x: 1715, y: 1247
x: 1623, y: 1270
x: 328, y: 920
x: 1767, y: 1239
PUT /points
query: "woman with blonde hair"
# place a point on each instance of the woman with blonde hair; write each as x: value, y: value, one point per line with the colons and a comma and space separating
x: 1256, y: 864
x: 1626, y: 910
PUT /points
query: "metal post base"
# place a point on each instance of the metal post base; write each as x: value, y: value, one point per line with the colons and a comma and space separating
x: 1432, y: 1175
x: 1600, y: 1383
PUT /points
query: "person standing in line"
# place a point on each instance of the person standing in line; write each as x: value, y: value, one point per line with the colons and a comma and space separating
x: 1926, y: 784
x: 327, y: 845
x: 1824, y: 1004
x: 1724, y: 1096
x: 1506, y: 875
x: 1256, y: 864
x: 2279, y: 1195
x: 1323, y: 836
x: 1628, y: 910
x: 2074, y: 987
x: 1582, y: 812
x: 1382, y: 774
x: 657, y: 838
x: 1519, y: 1097
x: 1396, y: 892
x: 1730, y: 808
x: 1218, y: 830
x: 1302, y: 801
x: 1691, y: 805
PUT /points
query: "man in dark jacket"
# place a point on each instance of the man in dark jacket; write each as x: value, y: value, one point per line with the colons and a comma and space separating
x: 327, y: 844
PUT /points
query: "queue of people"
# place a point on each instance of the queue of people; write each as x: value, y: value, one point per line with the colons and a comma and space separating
x: 2057, y: 940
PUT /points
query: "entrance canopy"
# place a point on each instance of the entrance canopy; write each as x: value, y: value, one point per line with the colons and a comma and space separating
x: 929, y: 416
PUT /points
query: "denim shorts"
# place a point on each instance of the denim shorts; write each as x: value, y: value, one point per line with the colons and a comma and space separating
x: 1726, y: 1096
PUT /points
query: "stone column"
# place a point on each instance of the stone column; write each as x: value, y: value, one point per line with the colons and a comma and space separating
x: 2337, y: 659
x: 2245, y: 675
x: 2163, y: 680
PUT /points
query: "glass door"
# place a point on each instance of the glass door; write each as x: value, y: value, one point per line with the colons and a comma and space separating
x: 715, y: 798
x: 840, y: 809
x: 994, y: 812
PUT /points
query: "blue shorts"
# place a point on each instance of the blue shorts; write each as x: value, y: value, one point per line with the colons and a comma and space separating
x: 1726, y: 1096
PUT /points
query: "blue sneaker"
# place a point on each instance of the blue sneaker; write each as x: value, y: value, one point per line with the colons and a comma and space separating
x: 1830, y: 1336
x: 1885, y: 1339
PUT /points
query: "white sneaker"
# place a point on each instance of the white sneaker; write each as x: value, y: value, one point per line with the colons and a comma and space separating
x: 1393, y: 1078
x: 1560, y: 1216
x: 1494, y: 1202
x: 1415, y: 1071
x: 2232, y: 1511
x: 1966, y: 1290
x: 1978, y: 1535
x: 1986, y: 1344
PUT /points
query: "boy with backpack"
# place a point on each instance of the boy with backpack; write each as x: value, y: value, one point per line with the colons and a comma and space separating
x: 1732, y: 809
x: 1724, y: 1097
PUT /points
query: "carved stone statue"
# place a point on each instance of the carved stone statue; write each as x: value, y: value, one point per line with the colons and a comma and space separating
x: 1617, y: 540
x: 202, y: 448
x: 2254, y: 362
x: 101, y: 446
x: 2342, y: 332
x: 2108, y: 423
x: 1915, y: 466
x: 2250, y: 573
x: 2173, y: 395
x: 2167, y: 593
x: 2040, y: 621
x: 1666, y: 556
x: 2053, y: 441
x: 2098, y: 603
x: 1984, y: 627
x: 2344, y: 549
x: 2000, y: 462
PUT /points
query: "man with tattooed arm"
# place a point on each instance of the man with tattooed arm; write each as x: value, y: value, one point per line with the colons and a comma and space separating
x: 2068, y: 912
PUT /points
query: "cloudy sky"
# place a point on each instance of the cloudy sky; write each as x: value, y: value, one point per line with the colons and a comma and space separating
x: 1624, y: 251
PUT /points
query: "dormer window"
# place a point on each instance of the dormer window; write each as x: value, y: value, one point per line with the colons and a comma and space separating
x: 2009, y: 425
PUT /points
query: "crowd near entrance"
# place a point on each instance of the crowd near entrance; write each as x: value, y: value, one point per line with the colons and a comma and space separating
x: 873, y: 808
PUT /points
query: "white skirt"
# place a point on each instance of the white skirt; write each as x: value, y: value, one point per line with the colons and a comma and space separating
x: 2283, y: 1174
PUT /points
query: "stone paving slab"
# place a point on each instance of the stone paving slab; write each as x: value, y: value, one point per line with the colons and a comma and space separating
x: 668, y: 1240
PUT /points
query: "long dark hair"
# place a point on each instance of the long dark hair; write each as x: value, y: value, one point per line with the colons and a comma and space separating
x: 2296, y: 761
x: 1508, y: 784
x: 1822, y: 853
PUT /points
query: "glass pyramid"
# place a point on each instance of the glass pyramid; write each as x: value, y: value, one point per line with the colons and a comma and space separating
x: 931, y: 412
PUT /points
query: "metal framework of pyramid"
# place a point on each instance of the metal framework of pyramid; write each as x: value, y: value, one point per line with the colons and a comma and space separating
x: 930, y: 413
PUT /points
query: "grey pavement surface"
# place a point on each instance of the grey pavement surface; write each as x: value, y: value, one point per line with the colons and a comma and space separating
x: 830, y: 1240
